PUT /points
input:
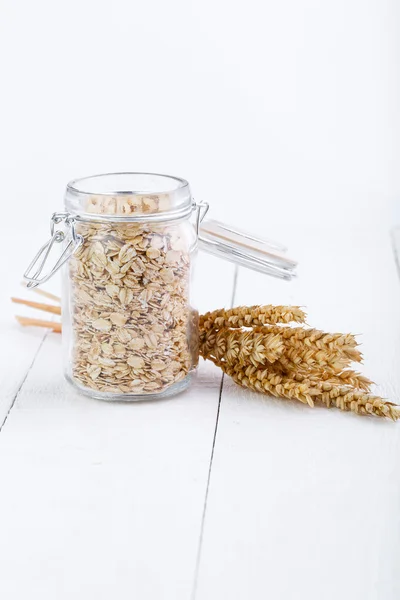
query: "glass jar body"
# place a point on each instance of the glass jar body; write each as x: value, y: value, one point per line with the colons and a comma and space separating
x: 129, y: 328
x: 130, y: 331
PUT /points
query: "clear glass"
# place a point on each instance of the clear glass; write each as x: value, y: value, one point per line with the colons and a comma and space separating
x: 129, y: 329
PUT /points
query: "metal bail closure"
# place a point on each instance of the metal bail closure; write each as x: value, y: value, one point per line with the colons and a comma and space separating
x: 33, y: 274
x: 202, y: 210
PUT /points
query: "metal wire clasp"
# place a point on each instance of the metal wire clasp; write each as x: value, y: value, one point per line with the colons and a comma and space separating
x: 202, y: 210
x: 73, y: 240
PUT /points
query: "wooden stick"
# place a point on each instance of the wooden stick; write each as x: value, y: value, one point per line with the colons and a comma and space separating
x: 43, y: 293
x: 56, y: 310
x: 27, y: 322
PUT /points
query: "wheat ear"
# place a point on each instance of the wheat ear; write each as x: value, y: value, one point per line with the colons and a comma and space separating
x: 251, y: 316
x: 256, y: 347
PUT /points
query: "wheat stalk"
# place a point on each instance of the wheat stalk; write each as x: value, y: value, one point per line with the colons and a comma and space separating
x: 28, y: 322
x: 289, y: 362
x: 42, y: 293
x: 56, y: 310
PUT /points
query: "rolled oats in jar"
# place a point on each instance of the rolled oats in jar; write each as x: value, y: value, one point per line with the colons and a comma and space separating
x: 128, y: 241
x: 129, y: 328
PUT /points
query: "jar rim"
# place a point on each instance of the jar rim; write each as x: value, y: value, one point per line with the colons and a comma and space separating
x: 129, y: 196
x: 72, y: 185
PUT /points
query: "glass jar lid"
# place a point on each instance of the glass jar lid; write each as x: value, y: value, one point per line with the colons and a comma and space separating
x: 243, y: 248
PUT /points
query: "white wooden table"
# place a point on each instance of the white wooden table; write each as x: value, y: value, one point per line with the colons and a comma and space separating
x: 219, y: 492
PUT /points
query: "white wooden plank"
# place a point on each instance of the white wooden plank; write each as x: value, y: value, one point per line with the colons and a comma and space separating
x: 18, y: 347
x: 104, y: 500
x: 304, y: 503
x: 17, y: 353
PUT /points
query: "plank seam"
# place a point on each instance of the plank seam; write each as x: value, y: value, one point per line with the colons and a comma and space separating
x: 23, y: 382
x: 396, y: 247
x: 203, y: 518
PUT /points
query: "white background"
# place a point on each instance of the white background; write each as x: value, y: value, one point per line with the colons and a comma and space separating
x: 287, y: 110
x: 284, y: 117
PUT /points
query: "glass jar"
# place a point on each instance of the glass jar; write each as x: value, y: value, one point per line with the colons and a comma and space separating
x: 129, y: 327
x: 130, y: 330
